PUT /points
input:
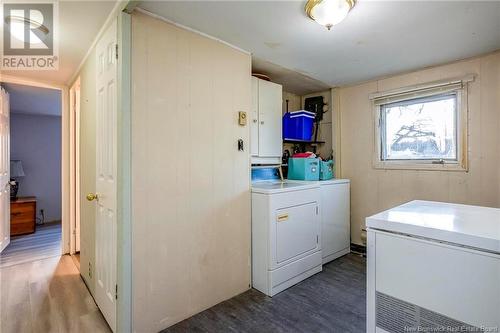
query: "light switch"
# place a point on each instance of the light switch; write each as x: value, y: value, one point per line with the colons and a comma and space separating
x: 242, y: 118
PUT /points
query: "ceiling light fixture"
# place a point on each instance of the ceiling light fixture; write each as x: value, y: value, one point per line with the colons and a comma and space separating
x: 328, y: 12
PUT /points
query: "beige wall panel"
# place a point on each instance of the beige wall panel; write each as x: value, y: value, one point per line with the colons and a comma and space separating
x: 191, y: 199
x: 489, y: 128
x: 294, y: 102
x: 375, y: 190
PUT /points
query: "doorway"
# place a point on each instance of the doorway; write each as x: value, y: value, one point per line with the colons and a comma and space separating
x: 33, y: 147
x: 74, y: 118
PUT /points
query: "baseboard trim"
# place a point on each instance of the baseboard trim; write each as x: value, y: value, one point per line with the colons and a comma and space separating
x: 356, y: 248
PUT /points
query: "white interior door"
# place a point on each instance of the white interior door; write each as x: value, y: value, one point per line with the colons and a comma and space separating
x: 77, y: 167
x: 106, y: 172
x: 4, y: 170
x: 75, y: 164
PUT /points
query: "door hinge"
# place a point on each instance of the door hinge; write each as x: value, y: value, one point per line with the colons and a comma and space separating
x: 116, y: 51
x: 116, y: 291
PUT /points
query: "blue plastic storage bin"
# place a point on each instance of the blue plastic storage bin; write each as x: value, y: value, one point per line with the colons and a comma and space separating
x: 298, y: 125
x: 325, y: 170
x: 287, y: 126
x: 303, y: 168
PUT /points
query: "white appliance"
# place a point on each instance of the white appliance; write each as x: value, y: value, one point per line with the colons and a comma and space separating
x: 286, y: 234
x: 433, y: 265
x: 335, y: 218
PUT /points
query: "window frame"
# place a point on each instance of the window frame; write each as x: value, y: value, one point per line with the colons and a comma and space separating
x: 458, y: 87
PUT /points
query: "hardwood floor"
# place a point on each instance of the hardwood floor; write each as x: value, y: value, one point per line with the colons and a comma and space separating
x: 44, y: 243
x: 47, y: 296
x: 76, y: 260
x: 331, y: 301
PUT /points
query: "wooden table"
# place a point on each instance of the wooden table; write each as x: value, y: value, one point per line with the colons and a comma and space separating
x: 22, y: 216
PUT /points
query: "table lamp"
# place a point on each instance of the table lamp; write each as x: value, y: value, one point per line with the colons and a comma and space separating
x: 16, y: 171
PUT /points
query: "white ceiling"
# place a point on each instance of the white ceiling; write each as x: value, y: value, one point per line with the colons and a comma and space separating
x: 378, y: 38
x: 33, y: 100
x: 79, y: 24
x: 291, y: 81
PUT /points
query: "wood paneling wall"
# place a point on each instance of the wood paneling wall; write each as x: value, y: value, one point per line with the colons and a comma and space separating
x: 326, y: 127
x: 296, y: 102
x: 376, y: 190
x: 190, y: 185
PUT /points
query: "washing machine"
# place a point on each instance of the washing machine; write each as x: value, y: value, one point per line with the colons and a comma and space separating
x: 335, y: 218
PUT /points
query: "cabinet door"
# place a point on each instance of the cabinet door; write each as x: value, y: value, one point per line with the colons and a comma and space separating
x: 270, y: 105
x: 335, y: 224
x: 254, y: 118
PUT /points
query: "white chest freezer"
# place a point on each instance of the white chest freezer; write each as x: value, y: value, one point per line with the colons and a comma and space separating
x: 433, y: 267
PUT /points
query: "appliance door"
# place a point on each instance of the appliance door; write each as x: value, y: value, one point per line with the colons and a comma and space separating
x: 416, y: 283
x: 296, y: 232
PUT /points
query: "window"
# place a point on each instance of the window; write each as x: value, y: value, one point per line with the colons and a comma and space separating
x: 422, y: 127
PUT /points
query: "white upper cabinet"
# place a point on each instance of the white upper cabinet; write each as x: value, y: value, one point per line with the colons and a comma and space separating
x: 254, y: 119
x: 266, y: 120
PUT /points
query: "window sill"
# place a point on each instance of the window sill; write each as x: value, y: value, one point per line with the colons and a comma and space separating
x: 396, y: 165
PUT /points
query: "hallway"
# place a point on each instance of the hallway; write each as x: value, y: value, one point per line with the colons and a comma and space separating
x: 47, y: 296
x: 42, y: 244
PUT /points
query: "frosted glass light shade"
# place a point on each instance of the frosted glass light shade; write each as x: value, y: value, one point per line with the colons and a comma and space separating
x: 328, y: 12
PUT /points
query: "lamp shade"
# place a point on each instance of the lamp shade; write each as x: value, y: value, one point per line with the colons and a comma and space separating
x: 329, y: 12
x: 16, y: 169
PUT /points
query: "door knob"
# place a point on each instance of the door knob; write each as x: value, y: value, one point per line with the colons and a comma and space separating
x: 92, y: 196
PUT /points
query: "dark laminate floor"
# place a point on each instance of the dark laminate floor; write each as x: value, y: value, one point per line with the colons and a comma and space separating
x: 331, y: 301
x: 45, y: 242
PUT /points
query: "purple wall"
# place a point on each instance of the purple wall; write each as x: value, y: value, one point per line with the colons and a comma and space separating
x: 36, y: 141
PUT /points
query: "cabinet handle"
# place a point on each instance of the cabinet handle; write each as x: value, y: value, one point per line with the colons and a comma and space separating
x: 282, y: 217
x: 255, y: 120
x: 262, y: 122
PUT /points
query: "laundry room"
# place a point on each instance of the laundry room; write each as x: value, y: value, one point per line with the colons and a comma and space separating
x: 291, y: 193
x: 295, y: 166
